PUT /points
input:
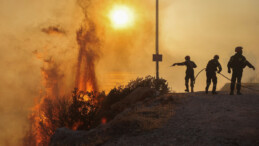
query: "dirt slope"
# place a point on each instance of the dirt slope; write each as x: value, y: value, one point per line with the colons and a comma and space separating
x: 206, y: 120
x: 248, y: 88
x: 189, y: 119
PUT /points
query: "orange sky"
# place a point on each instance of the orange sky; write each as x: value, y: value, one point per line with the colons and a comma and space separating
x: 199, y: 28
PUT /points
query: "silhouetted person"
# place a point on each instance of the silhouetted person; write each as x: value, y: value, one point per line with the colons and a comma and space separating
x: 189, y: 72
x: 237, y: 63
x: 212, y: 66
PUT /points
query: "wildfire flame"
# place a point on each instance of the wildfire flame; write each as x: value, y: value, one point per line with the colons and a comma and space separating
x: 44, y: 113
x: 87, y: 41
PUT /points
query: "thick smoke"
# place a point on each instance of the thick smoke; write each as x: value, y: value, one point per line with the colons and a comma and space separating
x: 53, y: 30
x: 51, y: 78
x: 91, y: 39
x: 198, y: 28
x: 41, y: 127
x: 25, y: 59
x: 202, y: 29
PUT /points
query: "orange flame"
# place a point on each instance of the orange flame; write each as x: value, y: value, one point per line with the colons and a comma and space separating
x: 41, y: 126
x: 87, y: 57
x: 76, y: 125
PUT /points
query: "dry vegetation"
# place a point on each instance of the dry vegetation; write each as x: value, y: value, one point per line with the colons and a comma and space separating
x: 85, y: 110
x: 139, y: 118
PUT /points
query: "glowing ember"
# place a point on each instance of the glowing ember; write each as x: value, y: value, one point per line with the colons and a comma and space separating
x: 104, y: 121
x: 121, y: 16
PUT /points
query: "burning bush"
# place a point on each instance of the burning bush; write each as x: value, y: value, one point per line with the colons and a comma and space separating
x: 85, y: 110
x: 78, y: 112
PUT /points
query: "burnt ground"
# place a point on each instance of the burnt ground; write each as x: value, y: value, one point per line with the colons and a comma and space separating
x: 189, y: 119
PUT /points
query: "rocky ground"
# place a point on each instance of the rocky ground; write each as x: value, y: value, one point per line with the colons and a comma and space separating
x: 177, y: 119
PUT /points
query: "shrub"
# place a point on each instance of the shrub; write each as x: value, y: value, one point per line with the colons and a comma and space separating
x: 75, y: 113
x: 85, y: 110
x: 82, y: 112
x: 118, y: 93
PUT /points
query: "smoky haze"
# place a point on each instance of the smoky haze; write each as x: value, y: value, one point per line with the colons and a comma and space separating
x: 202, y: 29
x: 38, y: 37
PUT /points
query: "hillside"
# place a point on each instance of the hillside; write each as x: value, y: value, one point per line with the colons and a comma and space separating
x: 177, y: 119
x: 247, y: 88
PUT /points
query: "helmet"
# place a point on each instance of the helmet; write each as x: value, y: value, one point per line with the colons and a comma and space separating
x: 187, y: 57
x: 216, y: 57
x: 239, y: 49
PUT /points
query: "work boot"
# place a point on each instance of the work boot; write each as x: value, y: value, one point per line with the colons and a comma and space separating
x: 187, y: 88
x: 239, y: 93
x: 238, y: 87
x: 232, y: 87
x: 192, y: 90
x: 214, y: 89
x: 206, y: 90
x: 231, y: 93
x: 214, y: 92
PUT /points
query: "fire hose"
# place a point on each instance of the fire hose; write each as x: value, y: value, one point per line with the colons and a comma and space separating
x: 225, y: 78
x: 238, y: 83
x: 198, y: 75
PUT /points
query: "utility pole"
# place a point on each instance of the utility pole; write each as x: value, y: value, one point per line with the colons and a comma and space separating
x: 157, y: 57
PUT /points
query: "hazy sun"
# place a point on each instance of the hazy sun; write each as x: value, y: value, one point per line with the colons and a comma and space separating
x: 121, y: 16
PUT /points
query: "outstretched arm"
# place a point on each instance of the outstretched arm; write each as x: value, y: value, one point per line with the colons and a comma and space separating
x: 250, y: 65
x: 180, y: 64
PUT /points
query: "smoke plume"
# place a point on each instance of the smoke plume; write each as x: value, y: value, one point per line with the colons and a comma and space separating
x: 53, y: 30
x: 92, y: 55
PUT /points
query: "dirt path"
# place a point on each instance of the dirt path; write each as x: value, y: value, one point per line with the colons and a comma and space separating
x: 205, y: 120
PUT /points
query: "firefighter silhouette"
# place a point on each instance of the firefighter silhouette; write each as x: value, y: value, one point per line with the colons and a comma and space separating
x: 237, y: 63
x: 189, y: 72
x: 213, y: 66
